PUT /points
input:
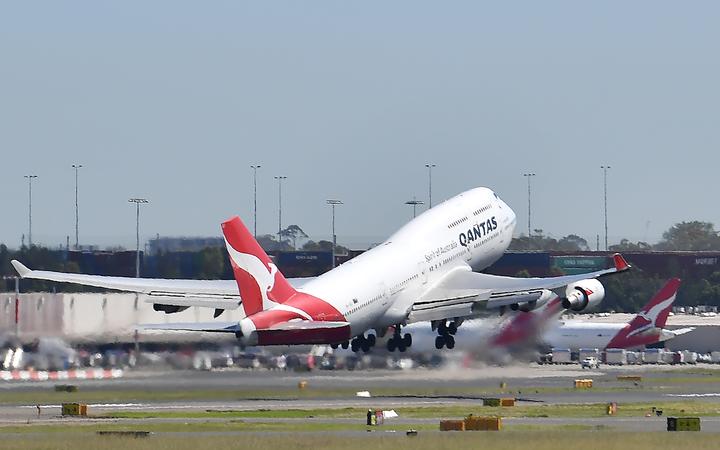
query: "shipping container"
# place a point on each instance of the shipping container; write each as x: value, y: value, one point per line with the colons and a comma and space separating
x: 689, y: 357
x: 654, y: 356
x: 616, y: 356
x: 715, y: 357
x: 634, y: 357
x: 561, y: 356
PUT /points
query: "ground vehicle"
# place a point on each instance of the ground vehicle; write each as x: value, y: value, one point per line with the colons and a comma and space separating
x: 590, y: 362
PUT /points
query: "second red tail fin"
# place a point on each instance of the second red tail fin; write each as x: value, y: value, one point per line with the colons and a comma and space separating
x: 658, y: 308
x: 260, y: 283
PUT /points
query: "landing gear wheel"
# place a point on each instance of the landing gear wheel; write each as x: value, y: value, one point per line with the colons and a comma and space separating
x: 391, y: 345
x: 442, y: 328
x: 334, y: 346
x: 345, y: 345
x: 401, y: 347
x: 439, y: 342
x: 371, y: 340
x: 452, y: 328
x: 407, y: 340
x: 365, y: 346
x: 450, y: 342
x: 354, y: 345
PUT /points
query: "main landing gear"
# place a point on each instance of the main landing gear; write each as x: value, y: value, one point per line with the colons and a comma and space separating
x: 399, y: 342
x: 359, y: 343
x: 446, y: 334
x: 396, y: 342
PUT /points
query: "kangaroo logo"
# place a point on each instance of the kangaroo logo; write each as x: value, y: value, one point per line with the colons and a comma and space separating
x: 263, y: 275
x: 650, y: 316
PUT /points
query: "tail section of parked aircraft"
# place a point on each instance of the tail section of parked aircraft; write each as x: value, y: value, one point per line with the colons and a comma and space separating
x: 646, y: 326
x: 659, y: 307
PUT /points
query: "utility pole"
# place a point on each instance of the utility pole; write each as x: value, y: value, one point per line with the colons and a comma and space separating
x: 528, y: 176
x: 77, y: 233
x: 280, y: 179
x: 30, y: 179
x: 255, y: 168
x: 17, y: 301
x: 414, y: 203
x: 605, y: 169
x: 137, y: 202
x: 333, y: 204
x: 430, y: 168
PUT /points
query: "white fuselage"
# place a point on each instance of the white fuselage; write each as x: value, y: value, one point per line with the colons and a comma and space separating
x: 377, y: 289
x: 577, y: 335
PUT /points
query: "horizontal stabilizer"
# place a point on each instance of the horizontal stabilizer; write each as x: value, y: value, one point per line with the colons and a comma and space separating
x: 298, y: 325
x: 681, y: 331
x: 213, y: 327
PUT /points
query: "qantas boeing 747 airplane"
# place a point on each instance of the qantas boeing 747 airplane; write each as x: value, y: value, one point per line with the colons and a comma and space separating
x: 425, y: 272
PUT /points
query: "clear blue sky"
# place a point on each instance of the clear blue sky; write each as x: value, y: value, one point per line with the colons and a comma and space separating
x: 174, y: 100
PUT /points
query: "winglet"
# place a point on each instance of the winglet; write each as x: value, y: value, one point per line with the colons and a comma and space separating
x: 620, y: 263
x: 21, y: 269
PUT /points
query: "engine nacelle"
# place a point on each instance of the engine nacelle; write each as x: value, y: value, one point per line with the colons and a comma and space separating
x: 583, y: 294
x: 535, y: 304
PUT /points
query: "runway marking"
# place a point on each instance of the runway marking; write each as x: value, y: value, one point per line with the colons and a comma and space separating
x: 709, y: 394
x: 76, y: 374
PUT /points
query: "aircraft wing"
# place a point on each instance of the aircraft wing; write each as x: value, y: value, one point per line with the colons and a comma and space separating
x: 218, y: 294
x: 464, y: 293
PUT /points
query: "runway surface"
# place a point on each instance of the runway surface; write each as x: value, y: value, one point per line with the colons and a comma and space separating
x: 441, y: 387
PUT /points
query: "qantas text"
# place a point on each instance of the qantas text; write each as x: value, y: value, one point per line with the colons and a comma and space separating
x: 478, y: 231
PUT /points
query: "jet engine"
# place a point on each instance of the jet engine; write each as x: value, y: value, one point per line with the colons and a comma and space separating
x: 583, y: 294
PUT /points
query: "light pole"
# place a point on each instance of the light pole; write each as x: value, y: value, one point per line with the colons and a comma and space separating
x: 333, y: 204
x: 255, y: 168
x: 17, y: 301
x: 528, y: 176
x: 77, y: 243
x: 137, y: 202
x: 414, y: 203
x: 605, y: 169
x: 30, y: 178
x: 280, y: 179
x: 430, y: 168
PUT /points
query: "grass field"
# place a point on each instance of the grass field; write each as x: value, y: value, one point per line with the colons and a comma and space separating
x: 505, y: 440
x: 286, y: 429
x: 535, y: 410
x: 49, y: 396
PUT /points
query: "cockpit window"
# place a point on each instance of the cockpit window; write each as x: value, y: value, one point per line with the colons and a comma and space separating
x: 500, y: 202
